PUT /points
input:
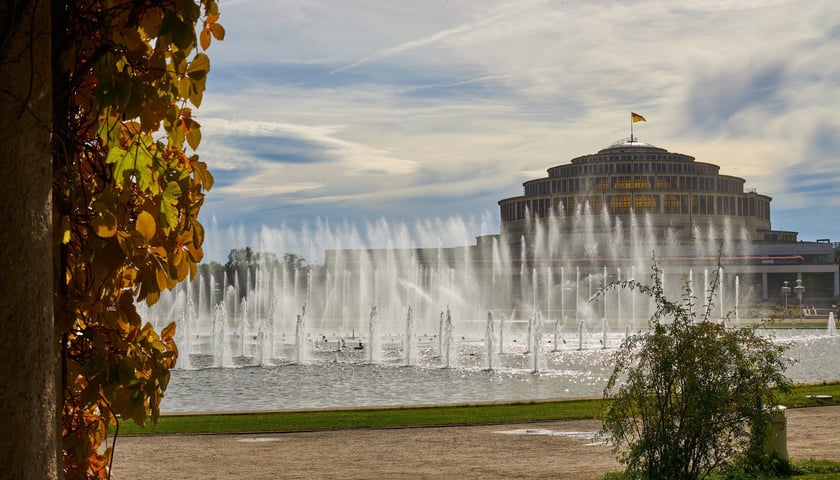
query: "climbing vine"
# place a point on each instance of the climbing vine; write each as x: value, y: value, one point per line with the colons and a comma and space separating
x: 127, y: 191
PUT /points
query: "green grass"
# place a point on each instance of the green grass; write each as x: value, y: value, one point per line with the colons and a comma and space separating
x: 370, y: 418
x: 806, y: 470
x: 799, y: 396
x: 415, y: 416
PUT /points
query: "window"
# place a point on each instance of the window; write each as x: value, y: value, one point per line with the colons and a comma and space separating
x: 595, y: 203
x: 602, y: 184
x: 671, y: 204
x: 646, y: 203
x: 642, y: 182
x: 619, y: 204
x: 622, y: 183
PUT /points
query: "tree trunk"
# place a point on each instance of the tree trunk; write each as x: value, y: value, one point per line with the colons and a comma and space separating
x: 28, y: 349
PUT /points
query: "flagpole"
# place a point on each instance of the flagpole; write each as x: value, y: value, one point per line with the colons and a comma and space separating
x: 631, y: 128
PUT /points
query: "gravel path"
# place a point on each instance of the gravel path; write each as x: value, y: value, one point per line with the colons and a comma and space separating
x: 557, y: 450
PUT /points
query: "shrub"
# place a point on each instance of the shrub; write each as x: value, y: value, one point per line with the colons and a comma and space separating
x: 689, y: 396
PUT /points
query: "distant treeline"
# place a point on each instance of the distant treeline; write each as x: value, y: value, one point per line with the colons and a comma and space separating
x: 244, y: 263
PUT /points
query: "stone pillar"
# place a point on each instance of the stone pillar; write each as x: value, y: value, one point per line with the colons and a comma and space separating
x: 777, y: 435
x: 764, y: 295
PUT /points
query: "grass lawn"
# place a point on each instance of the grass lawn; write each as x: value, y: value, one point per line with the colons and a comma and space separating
x: 416, y: 416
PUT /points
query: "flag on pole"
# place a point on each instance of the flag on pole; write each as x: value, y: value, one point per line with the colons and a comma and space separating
x: 635, y: 117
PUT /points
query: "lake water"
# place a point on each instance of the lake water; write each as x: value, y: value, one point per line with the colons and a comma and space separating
x: 347, y: 380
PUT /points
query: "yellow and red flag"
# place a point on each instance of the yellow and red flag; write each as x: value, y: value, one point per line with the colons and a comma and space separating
x: 635, y: 117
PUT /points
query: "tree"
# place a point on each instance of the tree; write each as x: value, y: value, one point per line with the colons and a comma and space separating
x: 690, y: 396
x: 126, y: 194
x: 28, y: 348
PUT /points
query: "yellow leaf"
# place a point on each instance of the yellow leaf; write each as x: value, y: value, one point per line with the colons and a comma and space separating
x: 146, y: 225
x: 184, y: 87
x: 168, y: 331
x: 199, y: 65
x: 66, y: 232
x: 150, y: 22
x: 104, y: 224
x: 162, y: 280
x: 202, y: 174
x: 194, y: 137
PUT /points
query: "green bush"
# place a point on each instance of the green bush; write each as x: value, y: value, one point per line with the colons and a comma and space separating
x: 690, y: 396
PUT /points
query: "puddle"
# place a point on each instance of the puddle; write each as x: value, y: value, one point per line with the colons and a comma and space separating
x: 258, y: 439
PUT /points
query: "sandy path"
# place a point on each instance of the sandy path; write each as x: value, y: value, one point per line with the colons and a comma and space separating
x: 417, y: 453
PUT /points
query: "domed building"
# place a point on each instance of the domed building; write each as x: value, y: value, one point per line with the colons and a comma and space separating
x: 671, y: 195
x: 635, y: 199
x: 599, y: 218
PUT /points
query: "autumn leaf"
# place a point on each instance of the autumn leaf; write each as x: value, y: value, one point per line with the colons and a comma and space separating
x: 104, y: 224
x: 218, y: 31
x: 204, y: 38
x: 128, y: 201
x: 146, y: 225
x: 169, y: 205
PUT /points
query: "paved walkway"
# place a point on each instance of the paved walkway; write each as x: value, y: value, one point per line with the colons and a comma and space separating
x: 557, y: 450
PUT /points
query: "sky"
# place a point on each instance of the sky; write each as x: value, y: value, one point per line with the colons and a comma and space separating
x: 327, y: 122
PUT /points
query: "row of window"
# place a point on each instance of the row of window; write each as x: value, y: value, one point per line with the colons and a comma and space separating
x: 625, y: 204
x: 634, y: 182
x: 626, y: 166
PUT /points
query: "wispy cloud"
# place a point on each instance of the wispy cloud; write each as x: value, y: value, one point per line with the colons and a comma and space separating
x: 405, y: 110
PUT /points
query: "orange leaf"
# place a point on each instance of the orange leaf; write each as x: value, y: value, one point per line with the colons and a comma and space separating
x: 204, y: 38
x: 218, y: 31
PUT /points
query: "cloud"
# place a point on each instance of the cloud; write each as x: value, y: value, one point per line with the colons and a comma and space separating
x: 442, y: 35
x: 299, y: 144
x: 407, y: 110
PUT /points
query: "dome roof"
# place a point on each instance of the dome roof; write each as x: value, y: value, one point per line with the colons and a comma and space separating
x: 626, y: 143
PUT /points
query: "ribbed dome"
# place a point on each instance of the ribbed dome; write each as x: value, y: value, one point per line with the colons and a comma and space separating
x: 626, y: 143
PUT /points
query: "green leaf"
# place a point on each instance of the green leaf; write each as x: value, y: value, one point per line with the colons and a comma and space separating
x: 169, y: 205
x: 109, y: 130
x: 134, y: 165
x: 115, y: 154
x: 183, y: 33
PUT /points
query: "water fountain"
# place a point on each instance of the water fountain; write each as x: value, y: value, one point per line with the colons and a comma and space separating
x: 465, y: 309
x: 489, y: 339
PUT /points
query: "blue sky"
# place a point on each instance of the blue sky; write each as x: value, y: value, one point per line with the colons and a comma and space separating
x: 327, y: 122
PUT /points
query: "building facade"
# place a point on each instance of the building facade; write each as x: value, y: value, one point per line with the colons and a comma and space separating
x: 597, y: 219
x: 633, y: 198
x: 678, y: 195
